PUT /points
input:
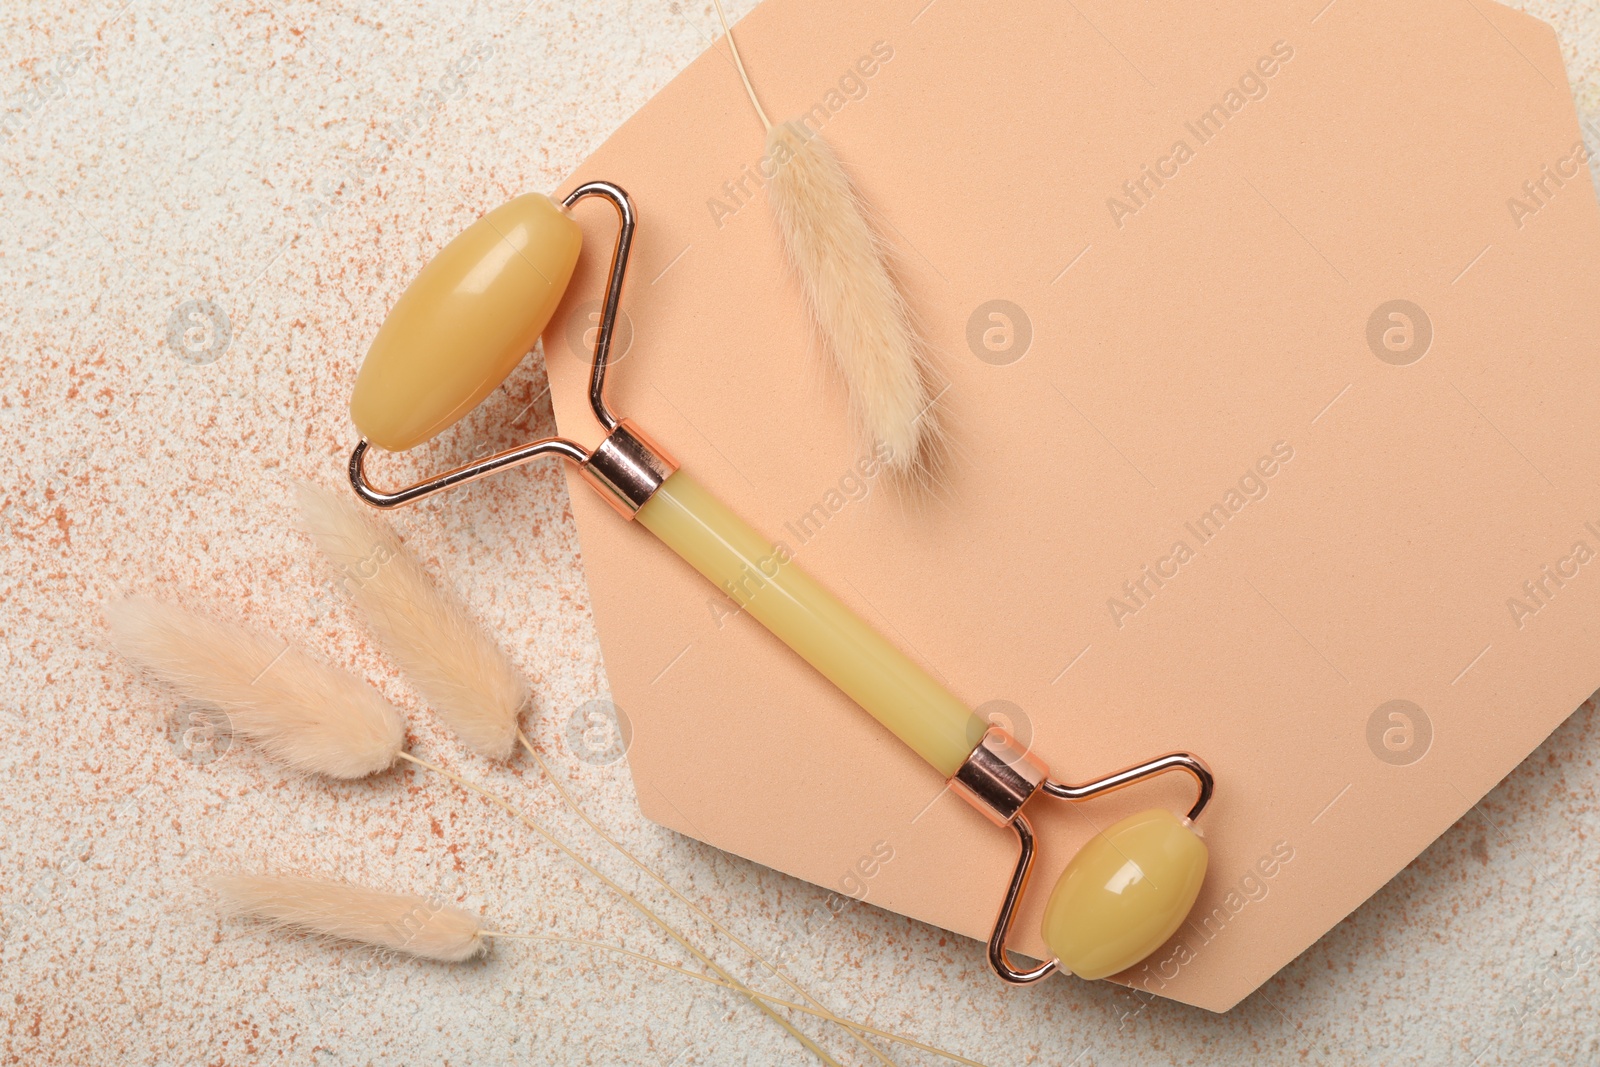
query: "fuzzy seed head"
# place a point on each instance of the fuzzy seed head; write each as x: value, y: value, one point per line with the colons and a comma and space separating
x: 858, y: 308
x: 400, y: 922
x: 295, y: 710
x: 453, y: 663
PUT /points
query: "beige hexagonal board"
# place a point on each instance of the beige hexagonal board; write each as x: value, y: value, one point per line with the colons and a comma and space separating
x: 1269, y: 336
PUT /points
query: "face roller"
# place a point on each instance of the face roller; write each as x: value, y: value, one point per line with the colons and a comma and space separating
x: 459, y: 330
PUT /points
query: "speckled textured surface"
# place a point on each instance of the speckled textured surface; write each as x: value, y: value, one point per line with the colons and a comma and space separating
x: 288, y: 167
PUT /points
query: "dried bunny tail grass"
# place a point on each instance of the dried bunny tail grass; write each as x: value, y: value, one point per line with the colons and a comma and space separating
x: 297, y: 711
x: 456, y: 667
x: 858, y: 308
x: 401, y: 922
x: 852, y: 295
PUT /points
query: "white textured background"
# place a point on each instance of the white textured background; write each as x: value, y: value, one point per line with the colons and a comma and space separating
x: 292, y: 164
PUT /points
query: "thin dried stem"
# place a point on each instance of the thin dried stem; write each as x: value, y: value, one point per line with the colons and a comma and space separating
x: 628, y: 897
x: 727, y: 32
x: 817, y: 1012
x: 772, y: 968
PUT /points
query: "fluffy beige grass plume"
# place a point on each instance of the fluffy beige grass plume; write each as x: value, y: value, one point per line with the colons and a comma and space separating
x: 857, y: 306
x: 453, y: 663
x: 859, y: 309
x: 400, y: 922
x: 296, y: 710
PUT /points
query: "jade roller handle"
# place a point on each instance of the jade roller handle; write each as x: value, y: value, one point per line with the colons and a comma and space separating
x: 773, y: 588
x: 1125, y: 892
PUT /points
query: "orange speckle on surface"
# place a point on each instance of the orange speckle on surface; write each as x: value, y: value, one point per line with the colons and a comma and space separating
x: 59, y: 519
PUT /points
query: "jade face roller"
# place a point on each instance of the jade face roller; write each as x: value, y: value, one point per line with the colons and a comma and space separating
x: 459, y: 330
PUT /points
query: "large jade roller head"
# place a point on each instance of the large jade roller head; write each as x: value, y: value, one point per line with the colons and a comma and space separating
x: 464, y: 324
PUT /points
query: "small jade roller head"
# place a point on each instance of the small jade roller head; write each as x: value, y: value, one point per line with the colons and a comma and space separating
x: 1124, y: 893
x: 465, y: 323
